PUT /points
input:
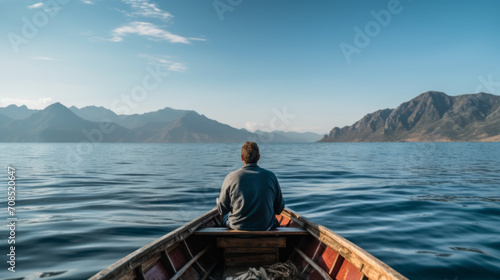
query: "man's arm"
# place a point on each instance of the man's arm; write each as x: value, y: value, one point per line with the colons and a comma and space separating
x: 279, y: 202
x: 224, y: 201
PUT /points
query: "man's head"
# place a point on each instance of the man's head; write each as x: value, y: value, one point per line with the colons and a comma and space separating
x: 250, y: 152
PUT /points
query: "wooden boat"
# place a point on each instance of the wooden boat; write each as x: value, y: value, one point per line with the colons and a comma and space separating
x: 202, y: 249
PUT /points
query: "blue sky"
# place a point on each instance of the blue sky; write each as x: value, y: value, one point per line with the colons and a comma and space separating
x: 247, y: 63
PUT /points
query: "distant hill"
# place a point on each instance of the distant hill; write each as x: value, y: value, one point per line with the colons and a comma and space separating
x: 97, y: 114
x: 289, y: 136
x: 4, y: 120
x: 193, y: 127
x: 165, y: 115
x: 57, y: 123
x: 431, y: 116
x: 17, y: 112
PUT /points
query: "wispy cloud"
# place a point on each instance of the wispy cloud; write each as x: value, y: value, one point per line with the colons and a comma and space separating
x: 316, y: 129
x: 177, y: 67
x: 40, y: 103
x: 88, y: 2
x: 36, y: 6
x: 165, y: 62
x: 50, y: 8
x: 148, y: 30
x: 253, y: 126
x: 144, y: 8
x: 197, y: 39
x: 43, y: 58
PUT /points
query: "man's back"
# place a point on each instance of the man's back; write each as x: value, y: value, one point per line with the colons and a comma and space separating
x: 252, y: 196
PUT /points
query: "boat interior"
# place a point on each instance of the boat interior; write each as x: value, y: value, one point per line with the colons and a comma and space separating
x: 216, y: 252
x: 203, y: 249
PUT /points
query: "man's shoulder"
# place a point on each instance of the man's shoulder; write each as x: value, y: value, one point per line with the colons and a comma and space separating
x: 240, y: 172
x: 266, y: 171
x: 234, y: 174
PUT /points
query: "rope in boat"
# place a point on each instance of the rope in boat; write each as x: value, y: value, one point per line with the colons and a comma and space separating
x: 284, y: 271
x: 277, y: 271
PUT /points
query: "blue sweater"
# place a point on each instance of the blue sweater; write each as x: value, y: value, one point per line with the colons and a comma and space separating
x: 252, y: 196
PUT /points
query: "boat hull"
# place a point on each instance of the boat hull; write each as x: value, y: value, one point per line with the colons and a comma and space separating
x: 203, y: 249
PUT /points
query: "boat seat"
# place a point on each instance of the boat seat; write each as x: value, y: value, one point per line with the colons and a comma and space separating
x: 223, y: 231
x: 247, y: 248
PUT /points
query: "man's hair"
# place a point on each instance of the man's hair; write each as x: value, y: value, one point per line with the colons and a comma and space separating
x: 250, y: 152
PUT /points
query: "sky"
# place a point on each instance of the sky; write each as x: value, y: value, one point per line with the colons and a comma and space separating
x: 271, y: 65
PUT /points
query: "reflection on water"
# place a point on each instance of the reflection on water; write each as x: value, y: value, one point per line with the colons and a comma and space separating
x: 429, y: 210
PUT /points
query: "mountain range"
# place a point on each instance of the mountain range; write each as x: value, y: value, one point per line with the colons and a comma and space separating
x: 431, y: 116
x: 57, y: 123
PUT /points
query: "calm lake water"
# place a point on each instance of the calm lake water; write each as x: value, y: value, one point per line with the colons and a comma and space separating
x: 429, y: 210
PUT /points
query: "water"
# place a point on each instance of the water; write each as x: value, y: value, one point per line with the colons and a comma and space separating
x: 429, y: 210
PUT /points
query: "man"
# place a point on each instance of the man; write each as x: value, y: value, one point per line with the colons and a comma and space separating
x: 251, y: 196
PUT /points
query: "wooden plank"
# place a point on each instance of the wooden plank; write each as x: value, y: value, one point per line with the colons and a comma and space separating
x: 349, y: 272
x: 209, y: 271
x: 250, y: 259
x: 370, y: 266
x: 152, y: 261
x: 128, y: 276
x: 285, y: 221
x: 177, y: 258
x: 266, y: 242
x: 190, y: 263
x: 187, y: 248
x: 307, y: 251
x: 313, y: 264
x: 157, y: 271
x: 279, y: 218
x: 226, y: 231
x: 327, y: 259
x: 167, y: 263
x: 334, y: 270
x: 315, y: 275
x: 249, y: 250
x: 186, y: 245
x: 190, y: 274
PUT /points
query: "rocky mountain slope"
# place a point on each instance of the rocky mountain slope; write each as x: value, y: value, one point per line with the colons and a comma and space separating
x: 431, y: 116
